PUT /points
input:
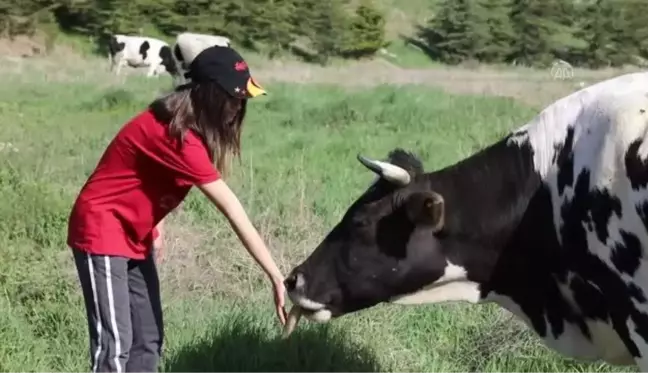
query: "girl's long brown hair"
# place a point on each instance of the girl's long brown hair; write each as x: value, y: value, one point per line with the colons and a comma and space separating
x: 214, y: 115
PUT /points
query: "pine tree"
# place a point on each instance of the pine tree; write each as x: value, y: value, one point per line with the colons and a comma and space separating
x: 325, y: 25
x: 366, y: 32
x: 272, y: 24
x: 637, y: 25
x: 626, y: 50
x: 629, y: 33
x: 237, y: 22
x: 533, y: 33
x: 118, y: 16
x: 280, y: 33
x: 165, y: 17
x: 597, y: 32
x: 456, y: 33
x: 78, y: 17
x: 565, y: 39
x: 609, y: 33
x: 5, y: 8
x: 542, y: 30
x: 500, y: 34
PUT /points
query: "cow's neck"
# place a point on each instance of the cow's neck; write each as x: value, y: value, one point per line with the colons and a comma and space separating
x: 500, y: 217
x: 485, y: 196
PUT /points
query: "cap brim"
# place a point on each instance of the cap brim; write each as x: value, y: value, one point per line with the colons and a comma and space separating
x: 254, y: 89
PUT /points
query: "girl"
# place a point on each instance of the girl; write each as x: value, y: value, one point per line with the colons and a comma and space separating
x: 116, y: 223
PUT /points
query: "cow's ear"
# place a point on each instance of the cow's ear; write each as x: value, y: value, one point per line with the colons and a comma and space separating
x: 427, y: 208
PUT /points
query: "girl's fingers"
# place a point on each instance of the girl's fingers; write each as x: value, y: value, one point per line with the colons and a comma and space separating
x: 282, y: 315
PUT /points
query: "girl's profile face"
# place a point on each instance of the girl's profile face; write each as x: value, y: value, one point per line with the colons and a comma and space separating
x: 232, y: 108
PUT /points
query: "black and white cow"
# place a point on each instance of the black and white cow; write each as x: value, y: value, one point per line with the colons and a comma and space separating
x: 551, y: 223
x: 187, y: 46
x: 140, y: 51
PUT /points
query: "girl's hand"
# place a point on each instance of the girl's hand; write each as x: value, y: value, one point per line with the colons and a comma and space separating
x: 280, y: 303
x: 158, y: 248
x: 158, y: 243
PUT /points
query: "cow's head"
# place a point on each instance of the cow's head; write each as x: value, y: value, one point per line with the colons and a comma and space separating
x: 390, y: 246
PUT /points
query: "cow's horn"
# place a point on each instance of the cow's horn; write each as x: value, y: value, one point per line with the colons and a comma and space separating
x: 387, y: 171
x: 291, y: 323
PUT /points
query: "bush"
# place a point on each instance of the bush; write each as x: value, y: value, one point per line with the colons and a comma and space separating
x: 366, y: 32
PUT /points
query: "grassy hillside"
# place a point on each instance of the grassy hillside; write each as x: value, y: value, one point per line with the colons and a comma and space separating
x: 298, y: 175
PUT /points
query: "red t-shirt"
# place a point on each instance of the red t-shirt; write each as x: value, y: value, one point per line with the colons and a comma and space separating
x: 140, y: 178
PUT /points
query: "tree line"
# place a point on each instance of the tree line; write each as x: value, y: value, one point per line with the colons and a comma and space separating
x: 589, y: 33
x: 316, y: 29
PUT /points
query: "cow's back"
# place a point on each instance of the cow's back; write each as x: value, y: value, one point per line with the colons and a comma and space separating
x: 140, y: 49
x: 191, y: 44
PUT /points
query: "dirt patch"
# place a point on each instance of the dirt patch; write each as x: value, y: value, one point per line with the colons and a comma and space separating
x: 22, y: 47
x: 35, y: 47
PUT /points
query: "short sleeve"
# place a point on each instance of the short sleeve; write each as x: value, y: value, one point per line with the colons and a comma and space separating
x: 190, y: 162
x: 196, y: 167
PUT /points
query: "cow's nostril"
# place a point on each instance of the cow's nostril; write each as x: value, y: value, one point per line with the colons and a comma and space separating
x: 294, y: 281
x: 290, y: 282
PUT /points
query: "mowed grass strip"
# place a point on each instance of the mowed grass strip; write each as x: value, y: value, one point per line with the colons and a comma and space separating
x: 297, y: 175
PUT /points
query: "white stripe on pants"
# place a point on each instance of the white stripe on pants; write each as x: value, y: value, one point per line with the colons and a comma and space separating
x: 96, y: 309
x: 111, y: 313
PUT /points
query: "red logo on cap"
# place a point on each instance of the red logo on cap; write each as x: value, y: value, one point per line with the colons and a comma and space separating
x: 240, y: 66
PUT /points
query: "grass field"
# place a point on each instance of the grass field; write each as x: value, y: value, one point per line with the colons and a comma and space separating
x: 297, y: 176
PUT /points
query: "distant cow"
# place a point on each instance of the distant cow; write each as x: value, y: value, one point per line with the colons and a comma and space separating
x: 188, y: 45
x: 140, y: 51
x: 550, y: 222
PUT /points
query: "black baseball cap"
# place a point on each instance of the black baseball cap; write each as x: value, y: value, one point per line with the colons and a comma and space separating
x: 226, y: 67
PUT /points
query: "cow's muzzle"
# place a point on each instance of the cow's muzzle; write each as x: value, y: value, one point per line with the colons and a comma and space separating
x: 302, y: 306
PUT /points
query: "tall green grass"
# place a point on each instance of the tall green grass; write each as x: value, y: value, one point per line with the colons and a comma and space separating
x: 297, y: 176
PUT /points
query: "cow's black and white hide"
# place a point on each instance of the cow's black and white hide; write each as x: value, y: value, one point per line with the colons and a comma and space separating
x: 141, y: 51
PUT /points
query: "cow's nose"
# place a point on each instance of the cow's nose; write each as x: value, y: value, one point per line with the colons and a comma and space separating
x: 294, y: 282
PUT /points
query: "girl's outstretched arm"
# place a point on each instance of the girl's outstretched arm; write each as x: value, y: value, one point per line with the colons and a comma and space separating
x: 226, y: 201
